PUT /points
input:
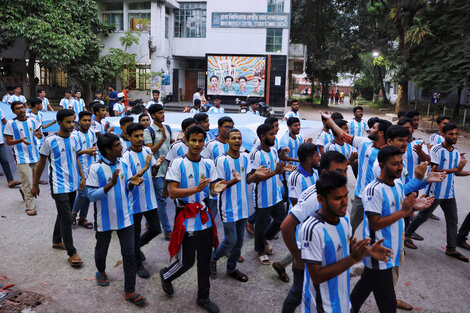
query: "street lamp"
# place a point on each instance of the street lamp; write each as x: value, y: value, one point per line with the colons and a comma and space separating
x: 375, y: 54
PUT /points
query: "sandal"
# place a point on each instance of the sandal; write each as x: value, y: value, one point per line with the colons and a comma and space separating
x: 102, y: 280
x: 415, y: 236
x: 137, y: 300
x: 459, y: 256
x: 268, y: 248
x: 84, y: 223
x: 74, y: 218
x: 236, y: 274
x: 409, y: 244
x: 14, y: 184
x: 32, y: 212
x: 434, y: 217
x: 281, y: 271
x: 264, y: 259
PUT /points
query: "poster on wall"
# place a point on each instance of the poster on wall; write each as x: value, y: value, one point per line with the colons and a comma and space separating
x: 232, y: 75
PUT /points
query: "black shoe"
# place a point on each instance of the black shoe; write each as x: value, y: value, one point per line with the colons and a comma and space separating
x: 208, y: 305
x: 142, y: 272
x: 167, y: 286
x: 142, y: 256
x: 464, y: 245
x: 415, y: 236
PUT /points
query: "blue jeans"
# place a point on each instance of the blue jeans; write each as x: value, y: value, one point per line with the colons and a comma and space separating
x: 233, y: 242
x: 212, y: 204
x: 161, y: 204
x: 4, y: 162
x: 81, y: 204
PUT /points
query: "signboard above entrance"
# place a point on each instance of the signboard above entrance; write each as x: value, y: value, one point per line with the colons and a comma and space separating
x: 249, y: 20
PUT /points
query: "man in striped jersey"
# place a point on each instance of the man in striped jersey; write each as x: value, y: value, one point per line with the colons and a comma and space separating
x: 22, y: 133
x: 98, y: 124
x: 109, y: 181
x: 385, y: 206
x: 10, y: 92
x: 235, y: 168
x: 438, y: 138
x: 357, y: 126
x: 17, y: 96
x: 191, y: 178
x: 294, y: 112
x: 124, y: 137
x: 3, y: 156
x: 46, y: 105
x: 338, y: 144
x: 119, y: 108
x: 445, y: 157
x: 267, y: 193
x: 61, y: 150
x: 203, y: 120
x: 38, y: 114
x: 79, y: 104
x: 216, y: 108
x: 305, y: 207
x: 324, y: 136
x: 155, y: 99
x: 179, y: 147
x: 292, y: 140
x: 139, y: 159
x: 86, y: 156
x: 329, y: 252
x: 68, y: 101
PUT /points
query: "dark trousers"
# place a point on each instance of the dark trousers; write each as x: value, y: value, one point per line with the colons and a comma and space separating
x: 262, y: 219
x: 449, y: 207
x: 126, y: 240
x: 63, y: 224
x: 380, y: 282
x: 232, y: 243
x: 153, y: 231
x: 199, y: 242
x: 4, y: 163
x: 294, y: 296
x: 464, y: 230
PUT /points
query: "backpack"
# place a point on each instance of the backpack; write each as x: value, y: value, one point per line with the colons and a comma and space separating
x: 152, y: 132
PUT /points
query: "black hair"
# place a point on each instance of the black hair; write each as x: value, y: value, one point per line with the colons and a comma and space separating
x: 449, y: 126
x: 292, y: 120
x: 271, y: 120
x: 133, y: 127
x: 38, y: 91
x: 195, y: 129
x: 242, y: 77
x: 106, y: 141
x: 128, y: 87
x: 68, y: 91
x: 10, y: 88
x: 154, y: 108
x: 225, y: 79
x: 337, y: 116
x: 213, y: 77
x: 126, y: 119
x: 198, y: 90
x: 98, y: 91
x: 307, y: 149
x: 358, y: 107
x: 331, y: 156
x: 15, y: 103
x: 141, y: 116
x: 97, y: 106
x: 411, y: 114
x: 386, y: 153
x: 401, y: 114
x: 263, y: 129
x: 293, y: 101
x: 233, y: 130
x: 155, y: 91
x: 111, y: 86
x: 62, y: 114
x: 252, y: 101
x: 397, y: 131
x: 200, y: 117
x: 216, y: 97
x: 186, y: 122
x: 340, y: 123
x: 330, y: 181
x: 35, y: 101
x: 84, y: 113
x: 405, y: 120
x: 440, y: 118
x: 197, y: 102
x: 383, y: 125
x: 371, y: 122
x: 224, y: 119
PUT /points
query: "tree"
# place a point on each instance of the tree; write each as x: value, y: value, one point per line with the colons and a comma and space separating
x: 126, y: 61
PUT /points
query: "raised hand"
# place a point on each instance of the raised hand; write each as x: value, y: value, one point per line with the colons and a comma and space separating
x: 160, y: 160
x: 219, y: 187
x: 23, y: 140
x: 408, y: 203
x: 91, y: 151
x: 423, y: 202
x: 359, y: 249
x: 261, y: 171
x: 309, y: 140
x: 136, y: 180
x: 236, y: 175
x: 379, y: 252
x: 148, y: 160
x: 115, y: 176
x: 203, y: 183
x: 435, y: 177
x: 289, y: 167
x: 325, y: 115
x: 463, y: 162
x: 418, y: 148
x: 420, y: 170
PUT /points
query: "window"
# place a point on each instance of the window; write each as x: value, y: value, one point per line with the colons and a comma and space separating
x: 167, y: 26
x: 275, y: 6
x: 274, y: 40
x: 142, y: 79
x: 190, y: 20
x: 139, y: 6
x: 50, y: 78
x: 113, y: 16
x: 139, y: 21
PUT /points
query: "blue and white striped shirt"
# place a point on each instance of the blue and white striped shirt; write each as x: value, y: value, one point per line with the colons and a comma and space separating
x: 366, y: 153
x: 266, y: 193
x: 446, y: 160
x: 323, y: 138
x: 299, y: 181
x: 436, y: 139
x: 126, y: 144
x: 14, y: 98
x: 177, y: 149
x: 188, y: 174
x: 97, y: 127
x: 214, y: 148
x: 345, y: 149
x: 411, y: 159
x: 358, y: 128
x: 209, y: 136
x: 24, y: 154
x: 6, y: 98
x: 78, y: 106
x: 45, y: 104
x: 213, y: 109
x: 67, y: 103
x: 142, y: 198
x: 292, y: 144
x: 325, y: 244
x: 119, y: 107
x: 112, y: 210
x: 291, y: 114
x: 63, y: 168
x: 87, y: 140
x: 234, y: 201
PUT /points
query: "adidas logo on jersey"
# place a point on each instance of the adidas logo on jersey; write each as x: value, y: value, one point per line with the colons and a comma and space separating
x: 190, y: 176
x: 339, y: 248
x: 305, y: 244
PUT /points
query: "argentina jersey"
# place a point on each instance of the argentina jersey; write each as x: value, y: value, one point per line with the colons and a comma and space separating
x: 323, y: 138
x: 188, y: 175
x: 209, y: 136
x: 291, y: 114
x: 126, y: 144
x: 119, y: 107
x: 445, y: 159
x: 78, y: 105
x: 214, y: 148
x: 87, y: 140
x: 14, y: 98
x: 142, y: 198
x: 39, y: 118
x: 436, y: 139
x: 358, y: 128
x: 177, y: 149
x: 97, y: 127
x: 266, y: 193
x: 24, y: 154
x: 216, y: 110
x: 383, y: 200
x: 45, y: 104
x: 411, y: 159
x: 367, y: 154
x: 325, y: 244
x: 293, y: 144
x: 112, y: 212
x: 307, y: 204
x: 67, y: 103
x: 6, y: 98
x: 345, y: 149
x: 299, y: 181
x: 233, y: 202
x: 63, y: 168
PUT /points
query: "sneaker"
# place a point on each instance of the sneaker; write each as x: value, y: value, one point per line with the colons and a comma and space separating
x: 208, y: 305
x: 167, y: 286
x: 142, y: 272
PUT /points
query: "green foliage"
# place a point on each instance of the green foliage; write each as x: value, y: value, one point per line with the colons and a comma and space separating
x: 125, y: 61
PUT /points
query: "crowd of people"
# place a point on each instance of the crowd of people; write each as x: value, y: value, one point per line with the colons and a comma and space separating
x: 298, y: 188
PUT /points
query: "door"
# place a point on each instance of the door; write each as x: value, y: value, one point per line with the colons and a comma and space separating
x: 191, y: 82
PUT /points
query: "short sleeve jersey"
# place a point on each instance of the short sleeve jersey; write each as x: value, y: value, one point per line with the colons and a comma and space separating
x: 45, y: 104
x: 67, y: 103
x: 119, y: 107
x: 164, y: 149
x: 214, y: 148
x: 292, y: 144
x: 266, y: 193
x: 445, y: 159
x: 323, y: 138
x: 299, y: 181
x: 213, y: 109
x: 367, y: 154
x: 142, y: 198
x: 14, y: 98
x: 188, y: 174
x: 436, y: 139
x: 177, y: 149
x: 358, y: 128
x: 114, y: 211
x: 63, y: 168
x: 87, y: 140
x: 411, y: 159
x: 24, y: 154
x: 78, y: 106
x: 345, y: 149
x: 383, y: 200
x: 325, y: 244
x: 291, y: 114
x: 97, y: 127
x: 307, y: 204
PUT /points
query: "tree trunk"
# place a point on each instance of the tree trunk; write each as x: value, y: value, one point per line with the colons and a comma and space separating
x: 88, y: 96
x: 324, y: 94
x: 31, y: 76
x: 455, y: 114
x: 382, y: 86
x: 402, y: 99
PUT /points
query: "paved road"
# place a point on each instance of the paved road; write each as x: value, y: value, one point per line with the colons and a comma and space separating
x: 429, y: 279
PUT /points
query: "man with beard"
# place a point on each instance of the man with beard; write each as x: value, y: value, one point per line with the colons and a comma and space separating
x: 294, y: 112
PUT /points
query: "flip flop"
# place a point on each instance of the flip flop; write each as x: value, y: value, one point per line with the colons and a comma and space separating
x: 264, y: 259
x: 281, y: 272
x: 415, y: 236
x: 459, y: 256
x: 410, y: 245
x: 102, y: 277
x: 236, y: 274
x: 14, y: 184
x: 85, y: 223
x: 142, y: 302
